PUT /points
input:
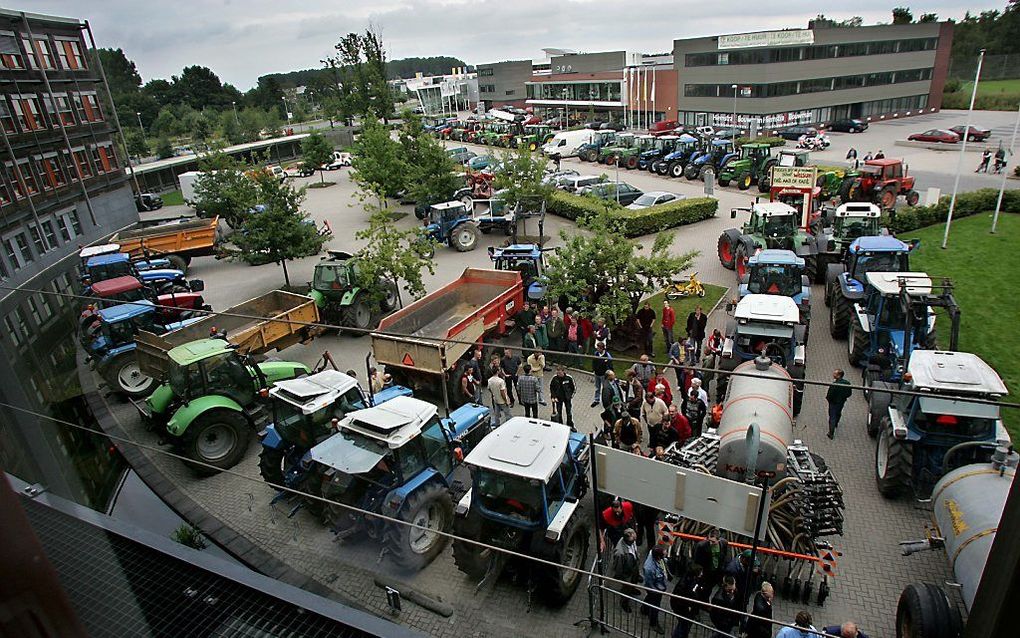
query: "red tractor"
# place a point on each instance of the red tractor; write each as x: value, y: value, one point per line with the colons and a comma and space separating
x: 880, y: 181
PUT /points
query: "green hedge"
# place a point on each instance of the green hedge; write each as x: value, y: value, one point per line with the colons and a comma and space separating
x: 635, y: 222
x: 967, y: 204
x: 771, y: 141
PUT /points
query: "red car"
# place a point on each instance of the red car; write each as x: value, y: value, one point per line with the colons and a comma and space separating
x: 976, y: 134
x: 935, y: 135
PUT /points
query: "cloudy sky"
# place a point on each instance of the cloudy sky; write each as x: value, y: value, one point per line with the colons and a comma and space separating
x: 243, y: 39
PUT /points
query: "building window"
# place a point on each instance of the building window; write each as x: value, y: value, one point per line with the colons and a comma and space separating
x: 10, y: 53
x: 88, y: 107
x: 5, y: 194
x: 38, y: 52
x: 12, y: 331
x: 70, y: 54
x: 487, y: 88
x: 51, y: 235
x: 510, y: 91
x: 29, y: 112
x: 26, y: 177
x: 6, y: 117
x: 37, y: 239
x: 485, y: 73
x: 33, y: 309
x: 81, y: 158
x: 75, y: 221
x: 58, y: 108
x: 44, y: 306
x: 18, y: 252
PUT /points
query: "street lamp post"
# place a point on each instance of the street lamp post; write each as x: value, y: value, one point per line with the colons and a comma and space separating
x: 234, y: 106
x: 734, y: 110
x: 139, y: 116
x: 963, y: 149
x: 285, y: 109
x: 563, y: 124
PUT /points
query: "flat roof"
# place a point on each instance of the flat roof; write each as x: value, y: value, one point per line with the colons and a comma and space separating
x: 888, y: 283
x: 528, y: 448
x: 958, y: 372
x: 775, y: 308
x: 142, y: 169
x: 776, y: 256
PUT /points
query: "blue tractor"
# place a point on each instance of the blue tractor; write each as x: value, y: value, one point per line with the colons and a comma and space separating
x: 660, y: 147
x: 674, y: 162
x: 590, y: 151
x: 844, y: 282
x: 526, y: 259
x: 453, y: 224
x: 923, y: 436
x: 528, y: 481
x: 110, y: 344
x: 778, y: 272
x: 103, y: 267
x: 398, y: 459
x: 715, y: 156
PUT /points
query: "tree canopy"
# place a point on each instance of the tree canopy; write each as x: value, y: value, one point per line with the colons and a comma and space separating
x: 391, y: 254
x: 377, y: 164
x: 316, y: 151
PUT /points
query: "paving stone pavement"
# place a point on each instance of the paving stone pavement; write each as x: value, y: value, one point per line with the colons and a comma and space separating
x: 870, y: 574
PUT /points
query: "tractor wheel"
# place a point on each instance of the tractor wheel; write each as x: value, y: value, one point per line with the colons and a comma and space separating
x: 703, y: 171
x: 894, y: 462
x: 839, y: 315
x: 924, y: 611
x: 741, y: 256
x: 558, y: 585
x: 913, y: 197
x: 431, y: 510
x: 723, y: 183
x: 178, y: 263
x: 390, y: 297
x: 469, y: 558
x: 765, y: 178
x: 887, y: 198
x: 811, y: 268
x: 587, y: 156
x: 533, y: 146
x: 632, y: 163
x: 745, y: 182
x: 217, y: 438
x: 653, y: 167
x: 725, y: 249
x: 611, y: 160
x: 271, y: 465
x: 846, y: 191
x: 125, y: 375
x: 675, y: 169
x: 878, y: 406
x: 465, y: 238
x: 666, y: 169
x: 832, y: 273
x: 691, y: 172
x: 857, y: 342
x: 358, y: 314
x: 425, y: 247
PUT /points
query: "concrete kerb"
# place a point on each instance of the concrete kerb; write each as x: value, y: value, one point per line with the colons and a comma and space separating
x: 972, y: 147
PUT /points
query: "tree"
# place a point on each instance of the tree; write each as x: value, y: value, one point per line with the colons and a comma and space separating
x: 601, y: 272
x: 520, y: 176
x: 166, y: 123
x: 279, y: 231
x: 902, y: 15
x: 164, y: 149
x: 391, y: 254
x: 230, y: 128
x: 378, y: 161
x: 121, y: 73
x: 136, y: 144
x: 928, y: 17
x: 316, y: 151
x: 224, y: 190
x: 252, y: 122
x: 201, y: 128
x: 266, y: 95
x: 359, y: 71
x: 159, y: 90
x: 198, y: 87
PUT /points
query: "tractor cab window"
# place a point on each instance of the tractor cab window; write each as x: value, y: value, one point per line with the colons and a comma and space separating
x: 512, y: 496
x: 349, y: 402
x: 289, y: 420
x: 780, y: 226
x: 879, y: 262
x: 892, y: 171
x: 136, y: 294
x: 329, y: 276
x: 526, y: 267
x: 774, y: 280
x: 226, y: 375
x: 437, y: 448
x: 184, y: 379
x: 892, y: 313
x: 120, y: 332
x: 854, y: 227
x: 954, y: 425
x: 411, y: 459
x: 102, y: 272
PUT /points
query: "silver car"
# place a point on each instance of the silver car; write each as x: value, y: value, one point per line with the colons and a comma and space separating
x: 654, y: 198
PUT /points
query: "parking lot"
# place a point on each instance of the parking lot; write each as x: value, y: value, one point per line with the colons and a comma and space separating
x: 869, y: 574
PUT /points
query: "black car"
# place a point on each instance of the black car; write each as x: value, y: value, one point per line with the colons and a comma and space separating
x: 848, y: 126
x: 623, y: 193
x: 795, y: 132
x: 614, y: 126
x: 148, y: 201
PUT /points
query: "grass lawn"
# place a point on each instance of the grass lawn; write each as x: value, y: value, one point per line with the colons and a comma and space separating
x: 173, y: 198
x: 993, y: 87
x: 984, y: 269
x: 682, y: 307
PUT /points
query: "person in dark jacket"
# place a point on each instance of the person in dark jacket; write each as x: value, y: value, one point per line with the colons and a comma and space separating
x: 692, y: 586
x: 762, y: 607
x: 712, y: 554
x: 694, y: 409
x: 561, y: 391
x: 697, y: 322
x: 600, y: 365
x: 627, y: 566
x: 727, y: 618
x: 738, y: 567
x: 646, y: 320
x: 846, y: 630
x: 836, y: 397
x: 656, y: 578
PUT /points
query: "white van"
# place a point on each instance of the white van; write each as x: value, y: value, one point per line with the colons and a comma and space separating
x: 566, y: 143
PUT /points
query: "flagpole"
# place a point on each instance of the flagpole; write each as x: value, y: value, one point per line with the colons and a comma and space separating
x: 653, y: 95
x: 963, y: 149
x: 1005, y: 171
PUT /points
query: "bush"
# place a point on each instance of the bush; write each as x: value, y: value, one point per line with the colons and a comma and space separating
x: 771, y: 141
x: 967, y: 204
x: 999, y: 102
x: 635, y: 222
x: 952, y: 85
x: 1016, y: 170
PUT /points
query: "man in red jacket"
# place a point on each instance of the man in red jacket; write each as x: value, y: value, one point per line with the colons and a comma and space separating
x: 668, y: 321
x: 679, y: 423
x: 660, y: 379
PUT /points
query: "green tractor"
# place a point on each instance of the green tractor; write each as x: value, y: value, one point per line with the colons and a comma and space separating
x: 752, y: 167
x: 630, y: 157
x: 771, y: 225
x: 341, y: 300
x: 213, y: 399
x: 492, y: 134
x: 534, y: 136
x: 608, y: 154
x: 599, y: 140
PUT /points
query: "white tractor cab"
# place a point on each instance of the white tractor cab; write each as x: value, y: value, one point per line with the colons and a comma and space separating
x: 94, y: 251
x: 852, y: 220
x: 307, y: 396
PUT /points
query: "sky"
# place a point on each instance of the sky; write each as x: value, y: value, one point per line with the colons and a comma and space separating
x: 243, y: 39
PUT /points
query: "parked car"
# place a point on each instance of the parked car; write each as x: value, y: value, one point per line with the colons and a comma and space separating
x: 727, y: 133
x: 976, y: 134
x: 554, y: 178
x: 574, y: 183
x: 480, y: 162
x: 621, y: 192
x: 615, y: 126
x: 654, y: 198
x: 848, y: 126
x: 560, y: 122
x: 148, y: 201
x: 705, y: 131
x: 298, y: 170
x: 796, y: 132
x: 935, y: 135
x: 461, y: 155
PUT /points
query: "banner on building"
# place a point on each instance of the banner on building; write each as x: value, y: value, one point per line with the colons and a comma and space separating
x: 766, y: 39
x: 793, y: 176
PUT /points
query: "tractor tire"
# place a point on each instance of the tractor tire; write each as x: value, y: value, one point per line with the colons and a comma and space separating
x: 740, y: 258
x: 216, y: 440
x: 666, y: 168
x: 557, y: 586
x: 894, y: 462
x: 426, y: 248
x: 925, y: 611
x: 797, y: 372
x: 358, y: 315
x: 723, y: 183
x: 856, y: 344
x: 723, y: 380
x: 412, y: 548
x: 913, y: 197
x: 469, y: 558
x: 832, y: 273
x: 887, y: 198
x: 125, y: 375
x: 839, y: 315
x: 878, y: 406
x: 745, y: 182
x: 702, y: 172
x: 271, y: 465
x: 533, y: 147
x: 811, y: 267
x: 676, y: 169
x: 691, y: 172
x: 726, y: 251
x: 178, y: 263
x: 632, y: 163
x: 465, y: 238
x: 845, y: 191
x: 390, y: 297
x: 653, y: 167
x: 588, y: 156
x: 765, y: 178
